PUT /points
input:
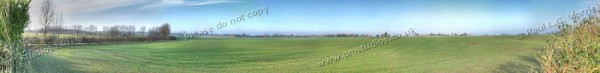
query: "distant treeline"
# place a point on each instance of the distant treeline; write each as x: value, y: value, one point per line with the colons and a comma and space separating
x: 118, y: 33
x: 39, y: 45
x: 385, y: 34
x: 295, y: 35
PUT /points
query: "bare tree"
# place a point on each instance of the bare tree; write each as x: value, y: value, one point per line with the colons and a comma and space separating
x: 47, y: 15
x: 143, y: 30
x: 58, y: 23
x: 92, y: 29
x: 105, y: 30
x: 113, y: 31
x: 122, y: 29
x: 131, y: 30
x: 77, y: 28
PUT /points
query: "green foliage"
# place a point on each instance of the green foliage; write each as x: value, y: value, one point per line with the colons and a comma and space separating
x: 13, y: 19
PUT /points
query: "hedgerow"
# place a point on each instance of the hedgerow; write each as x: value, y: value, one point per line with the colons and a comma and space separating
x: 13, y: 19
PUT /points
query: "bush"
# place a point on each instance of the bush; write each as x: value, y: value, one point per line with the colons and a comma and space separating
x: 50, y: 39
x: 575, y: 49
x: 13, y: 19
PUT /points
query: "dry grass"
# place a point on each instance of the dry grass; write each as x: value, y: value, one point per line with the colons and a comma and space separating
x: 575, y: 49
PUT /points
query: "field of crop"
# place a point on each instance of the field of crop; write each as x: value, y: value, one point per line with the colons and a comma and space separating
x: 413, y: 54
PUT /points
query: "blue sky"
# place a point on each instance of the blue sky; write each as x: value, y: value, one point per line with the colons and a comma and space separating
x: 321, y: 16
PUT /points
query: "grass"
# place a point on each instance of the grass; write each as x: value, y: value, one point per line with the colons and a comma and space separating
x: 414, y: 54
x: 446, y: 54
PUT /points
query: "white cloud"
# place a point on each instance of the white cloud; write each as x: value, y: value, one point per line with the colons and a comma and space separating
x: 84, y: 12
x: 172, y: 3
x: 71, y: 7
x: 84, y: 6
x: 209, y: 2
x: 162, y: 3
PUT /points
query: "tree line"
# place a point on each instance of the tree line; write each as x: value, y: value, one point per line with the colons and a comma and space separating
x: 90, y: 35
x: 53, y: 22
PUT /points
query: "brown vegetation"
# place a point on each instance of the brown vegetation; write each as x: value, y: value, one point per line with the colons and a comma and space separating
x: 576, y: 48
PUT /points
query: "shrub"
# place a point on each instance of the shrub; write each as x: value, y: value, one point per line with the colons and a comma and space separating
x: 13, y: 19
x: 575, y: 49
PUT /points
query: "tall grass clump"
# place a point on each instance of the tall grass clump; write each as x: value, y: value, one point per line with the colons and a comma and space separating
x: 576, y: 48
x: 14, y: 17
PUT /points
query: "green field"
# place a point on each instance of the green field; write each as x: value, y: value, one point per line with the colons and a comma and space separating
x: 413, y: 54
